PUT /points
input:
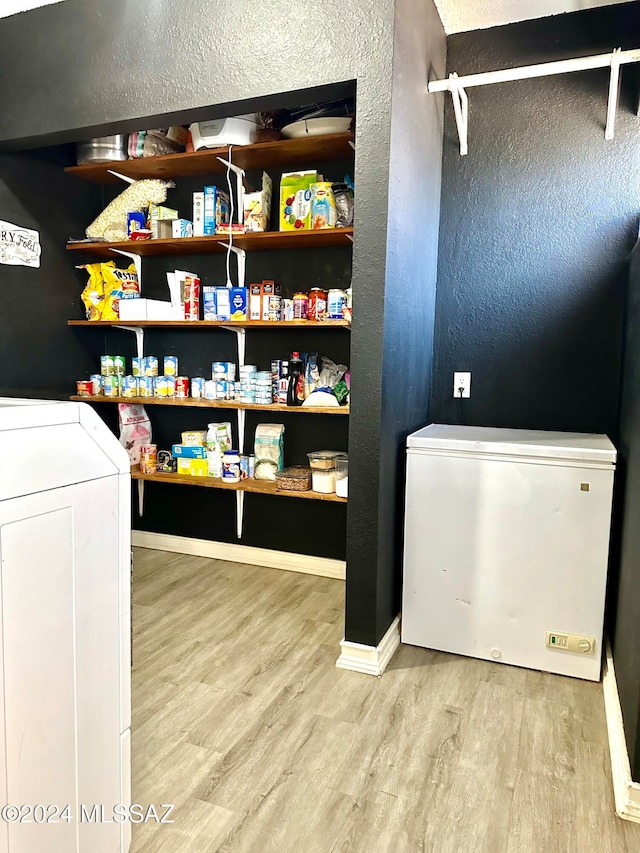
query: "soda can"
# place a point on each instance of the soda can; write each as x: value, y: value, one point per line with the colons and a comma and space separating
x: 96, y: 384
x: 151, y: 365
x: 111, y: 386
x: 137, y: 366
x: 182, y: 387
x: 119, y: 365
x: 197, y: 387
x: 148, y: 458
x: 145, y: 386
x: 129, y: 386
x: 171, y: 365
x: 106, y: 365
x: 84, y: 388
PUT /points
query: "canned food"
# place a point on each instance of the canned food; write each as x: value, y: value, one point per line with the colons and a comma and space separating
x: 145, y: 386
x: 182, y: 387
x: 164, y: 386
x: 84, y: 388
x: 137, y: 366
x: 317, y: 304
x: 300, y: 306
x: 151, y: 365
x: 210, y: 389
x: 336, y: 302
x: 111, y: 386
x: 119, y: 365
x: 96, y: 384
x: 129, y: 386
x: 197, y: 387
x: 274, y: 307
x: 287, y: 309
x: 106, y: 365
x: 171, y: 365
x: 148, y: 458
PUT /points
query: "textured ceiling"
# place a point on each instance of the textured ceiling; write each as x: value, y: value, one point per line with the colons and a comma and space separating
x: 462, y: 15
x: 10, y: 7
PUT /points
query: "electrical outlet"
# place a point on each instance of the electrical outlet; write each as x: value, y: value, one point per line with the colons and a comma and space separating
x: 462, y: 385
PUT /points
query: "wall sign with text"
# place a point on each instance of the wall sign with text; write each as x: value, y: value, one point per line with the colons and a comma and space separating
x: 19, y: 246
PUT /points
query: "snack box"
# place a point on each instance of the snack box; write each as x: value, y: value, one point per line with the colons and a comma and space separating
x: 216, y: 209
x: 295, y: 200
x: 257, y: 206
x: 136, y: 222
x: 158, y: 213
x: 269, y: 288
x: 181, y: 228
x: 209, y: 303
x: 194, y: 437
x: 193, y: 467
x: 223, y: 303
x: 189, y: 451
x: 255, y: 301
x: 239, y: 298
x: 198, y: 214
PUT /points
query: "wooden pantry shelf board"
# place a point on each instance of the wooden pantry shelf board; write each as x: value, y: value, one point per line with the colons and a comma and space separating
x: 216, y: 404
x: 260, y: 487
x: 217, y: 243
x: 213, y: 324
x: 283, y: 153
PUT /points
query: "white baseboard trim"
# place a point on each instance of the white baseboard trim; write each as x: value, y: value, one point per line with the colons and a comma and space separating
x: 321, y: 566
x: 626, y: 792
x: 372, y: 660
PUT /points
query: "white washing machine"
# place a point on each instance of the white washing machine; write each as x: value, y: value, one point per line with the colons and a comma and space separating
x: 65, y: 544
x: 506, y: 545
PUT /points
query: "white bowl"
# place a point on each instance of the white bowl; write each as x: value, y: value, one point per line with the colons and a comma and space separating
x: 316, y: 127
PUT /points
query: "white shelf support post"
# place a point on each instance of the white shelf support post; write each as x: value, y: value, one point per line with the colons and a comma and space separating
x: 241, y: 258
x: 461, y: 110
x: 139, y: 333
x: 614, y: 94
x: 137, y: 262
x: 140, y: 497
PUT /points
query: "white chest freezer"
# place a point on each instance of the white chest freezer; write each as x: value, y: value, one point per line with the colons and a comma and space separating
x: 65, y: 703
x: 506, y: 545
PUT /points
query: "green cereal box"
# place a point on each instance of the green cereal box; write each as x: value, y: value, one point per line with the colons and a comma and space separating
x: 295, y: 200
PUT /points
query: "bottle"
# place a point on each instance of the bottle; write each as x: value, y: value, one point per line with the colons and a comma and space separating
x: 231, y: 466
x: 214, y: 453
x: 283, y: 384
x: 296, y: 379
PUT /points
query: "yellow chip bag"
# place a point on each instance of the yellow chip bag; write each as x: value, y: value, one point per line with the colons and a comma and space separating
x: 118, y: 284
x: 93, y: 294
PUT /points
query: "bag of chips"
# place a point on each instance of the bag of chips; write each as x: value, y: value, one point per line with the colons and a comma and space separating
x: 135, y: 429
x: 118, y: 284
x: 93, y: 294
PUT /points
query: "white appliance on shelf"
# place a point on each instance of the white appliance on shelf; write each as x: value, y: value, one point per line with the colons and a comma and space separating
x: 65, y: 546
x: 506, y: 545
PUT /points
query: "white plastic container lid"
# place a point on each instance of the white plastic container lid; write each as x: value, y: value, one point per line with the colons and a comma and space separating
x: 584, y: 447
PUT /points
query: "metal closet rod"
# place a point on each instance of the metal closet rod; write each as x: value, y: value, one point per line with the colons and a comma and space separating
x: 545, y: 69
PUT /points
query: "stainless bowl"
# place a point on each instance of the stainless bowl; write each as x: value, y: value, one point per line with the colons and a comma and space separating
x: 102, y: 149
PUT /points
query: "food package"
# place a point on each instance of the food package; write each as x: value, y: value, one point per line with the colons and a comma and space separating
x: 295, y: 200
x: 135, y: 429
x: 118, y: 284
x: 111, y: 224
x: 257, y: 206
x: 343, y: 198
x: 323, y: 206
x: 269, y: 450
x: 330, y: 388
x: 93, y: 294
x: 219, y: 439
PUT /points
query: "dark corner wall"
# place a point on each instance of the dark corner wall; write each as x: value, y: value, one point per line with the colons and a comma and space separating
x: 537, y: 225
x: 409, y: 308
x: 84, y: 68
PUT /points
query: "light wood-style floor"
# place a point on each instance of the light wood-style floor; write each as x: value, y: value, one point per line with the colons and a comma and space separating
x: 241, y: 719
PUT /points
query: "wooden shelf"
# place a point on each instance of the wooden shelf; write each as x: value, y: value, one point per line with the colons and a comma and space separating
x: 217, y: 243
x: 261, y: 487
x: 284, y: 153
x: 216, y: 404
x: 217, y: 324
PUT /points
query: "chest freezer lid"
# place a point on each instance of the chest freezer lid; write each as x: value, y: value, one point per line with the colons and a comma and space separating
x: 576, y: 446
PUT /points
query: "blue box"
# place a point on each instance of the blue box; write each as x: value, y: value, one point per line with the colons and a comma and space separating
x: 186, y: 451
x: 209, y: 303
x: 136, y: 222
x: 223, y: 303
x: 216, y: 209
x: 239, y: 299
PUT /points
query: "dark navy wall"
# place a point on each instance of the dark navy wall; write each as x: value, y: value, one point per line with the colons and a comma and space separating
x: 537, y: 224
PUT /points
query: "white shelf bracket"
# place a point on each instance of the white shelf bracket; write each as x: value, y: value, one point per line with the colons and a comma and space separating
x: 137, y: 261
x: 240, y: 178
x: 239, y: 512
x: 139, y: 333
x: 241, y: 258
x: 140, y: 497
x: 614, y: 94
x: 461, y: 110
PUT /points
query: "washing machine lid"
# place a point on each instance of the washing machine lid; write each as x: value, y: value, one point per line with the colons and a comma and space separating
x: 575, y: 446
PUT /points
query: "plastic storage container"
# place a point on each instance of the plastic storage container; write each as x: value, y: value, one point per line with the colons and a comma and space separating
x: 342, y: 475
x: 295, y: 479
x: 323, y: 471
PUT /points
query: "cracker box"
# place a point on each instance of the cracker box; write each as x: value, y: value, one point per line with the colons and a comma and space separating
x: 189, y: 451
x: 192, y: 467
x: 239, y: 297
x: 295, y: 200
x: 216, y: 209
x: 255, y: 301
